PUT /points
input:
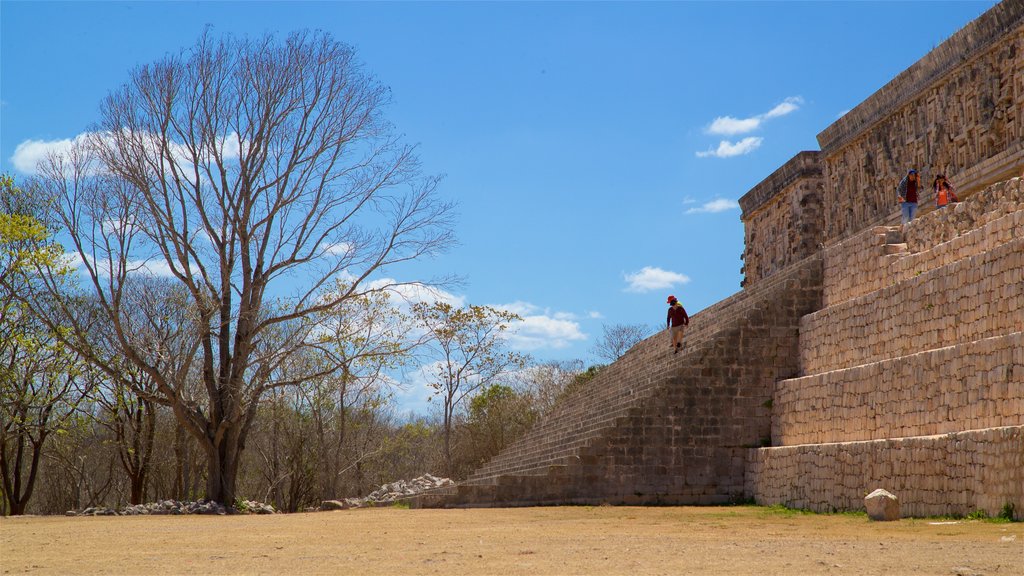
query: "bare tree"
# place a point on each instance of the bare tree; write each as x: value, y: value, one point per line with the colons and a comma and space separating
x: 252, y: 172
x: 469, y: 355
x: 546, y: 383
x: 617, y: 339
x: 366, y: 338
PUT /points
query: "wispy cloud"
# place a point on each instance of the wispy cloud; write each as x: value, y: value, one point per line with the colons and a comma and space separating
x: 728, y: 149
x: 729, y: 126
x: 404, y: 295
x: 791, y: 104
x: 541, y: 329
x: 715, y: 206
x: 29, y: 154
x: 652, y: 278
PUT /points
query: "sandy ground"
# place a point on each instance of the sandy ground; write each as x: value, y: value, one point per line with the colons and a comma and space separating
x: 569, y: 540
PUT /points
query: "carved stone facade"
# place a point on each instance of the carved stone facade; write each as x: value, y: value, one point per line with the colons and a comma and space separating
x: 782, y: 218
x: 959, y: 111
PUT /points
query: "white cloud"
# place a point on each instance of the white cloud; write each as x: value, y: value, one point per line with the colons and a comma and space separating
x: 30, y: 153
x: 595, y: 315
x: 651, y: 278
x: 408, y: 294
x: 728, y: 149
x: 791, y: 104
x: 518, y: 307
x: 543, y: 331
x: 715, y: 206
x: 337, y: 249
x: 729, y: 126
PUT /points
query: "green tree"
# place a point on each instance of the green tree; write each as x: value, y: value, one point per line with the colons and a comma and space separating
x: 497, y: 416
x: 41, y: 381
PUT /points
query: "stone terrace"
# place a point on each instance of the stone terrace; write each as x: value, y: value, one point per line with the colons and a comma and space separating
x: 916, y: 386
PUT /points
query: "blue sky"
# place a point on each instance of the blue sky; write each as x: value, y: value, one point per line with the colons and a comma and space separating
x: 595, y: 150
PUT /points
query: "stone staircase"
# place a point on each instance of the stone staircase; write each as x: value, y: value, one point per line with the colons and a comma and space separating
x: 658, y: 427
x: 913, y: 372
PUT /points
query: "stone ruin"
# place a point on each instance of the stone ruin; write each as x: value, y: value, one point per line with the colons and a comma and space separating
x: 859, y: 354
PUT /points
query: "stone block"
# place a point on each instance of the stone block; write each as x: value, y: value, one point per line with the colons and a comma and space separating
x: 882, y: 505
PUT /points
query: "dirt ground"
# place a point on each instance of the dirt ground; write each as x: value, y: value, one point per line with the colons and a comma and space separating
x: 567, y: 540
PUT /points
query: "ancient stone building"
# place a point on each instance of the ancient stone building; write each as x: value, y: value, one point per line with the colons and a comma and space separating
x: 958, y: 111
x: 859, y: 355
x: 782, y: 217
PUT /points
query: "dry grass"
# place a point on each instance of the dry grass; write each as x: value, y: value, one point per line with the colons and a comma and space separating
x: 569, y: 540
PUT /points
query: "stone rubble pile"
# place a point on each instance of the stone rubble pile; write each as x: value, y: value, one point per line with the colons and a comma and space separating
x: 175, y: 507
x: 389, y: 493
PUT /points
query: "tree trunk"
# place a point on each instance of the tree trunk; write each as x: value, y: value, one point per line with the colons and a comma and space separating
x: 16, y: 492
x: 138, y: 487
x: 222, y: 470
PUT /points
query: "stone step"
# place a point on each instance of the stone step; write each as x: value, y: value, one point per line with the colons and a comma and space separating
x: 894, y: 248
x: 893, y: 234
x: 858, y: 266
x: 602, y: 435
x: 943, y: 474
x: 973, y: 298
x: 965, y: 386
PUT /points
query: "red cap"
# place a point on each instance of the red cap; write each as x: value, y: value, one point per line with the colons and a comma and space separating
x: 671, y: 299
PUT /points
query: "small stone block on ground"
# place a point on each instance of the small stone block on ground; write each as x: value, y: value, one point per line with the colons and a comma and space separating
x: 882, y: 505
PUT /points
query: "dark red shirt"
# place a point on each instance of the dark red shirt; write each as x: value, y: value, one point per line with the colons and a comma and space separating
x: 911, y: 191
x: 677, y: 315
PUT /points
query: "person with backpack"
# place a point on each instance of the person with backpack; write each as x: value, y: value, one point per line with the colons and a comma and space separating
x: 944, y: 193
x: 906, y: 190
x: 677, y: 321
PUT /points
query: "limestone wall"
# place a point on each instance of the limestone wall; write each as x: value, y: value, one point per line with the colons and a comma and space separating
x: 973, y: 298
x: 858, y: 266
x: 951, y: 222
x: 958, y: 111
x: 963, y: 387
x: 782, y: 218
x: 956, y: 473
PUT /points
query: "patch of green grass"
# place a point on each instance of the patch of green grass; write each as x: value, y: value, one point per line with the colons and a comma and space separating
x: 1007, y: 512
x: 400, y: 505
x: 1005, y: 515
x: 782, y: 510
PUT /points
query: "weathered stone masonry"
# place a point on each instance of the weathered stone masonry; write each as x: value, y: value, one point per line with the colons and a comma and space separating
x: 782, y: 218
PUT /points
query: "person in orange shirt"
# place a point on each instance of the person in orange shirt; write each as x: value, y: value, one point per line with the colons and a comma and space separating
x: 944, y: 193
